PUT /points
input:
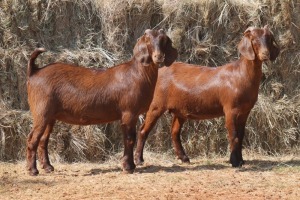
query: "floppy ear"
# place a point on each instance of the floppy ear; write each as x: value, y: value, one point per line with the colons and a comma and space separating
x: 273, y: 45
x: 274, y: 49
x: 245, y: 47
x: 171, y: 53
x: 141, y: 52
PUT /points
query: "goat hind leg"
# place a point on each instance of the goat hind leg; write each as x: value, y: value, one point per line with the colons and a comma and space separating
x: 151, y: 119
x: 43, y: 154
x: 176, y: 128
x: 32, y: 144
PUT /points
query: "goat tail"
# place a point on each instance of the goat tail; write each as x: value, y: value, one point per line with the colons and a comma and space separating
x: 31, y: 64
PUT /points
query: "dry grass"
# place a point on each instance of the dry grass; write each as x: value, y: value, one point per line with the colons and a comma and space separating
x: 102, y: 33
x: 160, y: 178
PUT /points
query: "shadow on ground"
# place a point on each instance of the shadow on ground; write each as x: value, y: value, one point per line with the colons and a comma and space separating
x: 251, y: 165
x: 269, y: 165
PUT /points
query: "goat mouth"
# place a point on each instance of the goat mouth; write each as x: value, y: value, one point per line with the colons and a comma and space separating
x: 264, y: 58
x: 159, y: 61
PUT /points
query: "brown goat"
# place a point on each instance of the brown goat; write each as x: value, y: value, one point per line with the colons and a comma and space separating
x: 198, y: 92
x: 83, y: 96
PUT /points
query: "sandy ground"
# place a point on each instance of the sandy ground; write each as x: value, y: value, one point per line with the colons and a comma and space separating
x: 161, y: 177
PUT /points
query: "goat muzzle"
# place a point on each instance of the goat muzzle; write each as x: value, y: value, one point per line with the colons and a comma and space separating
x: 158, y: 57
x: 264, y: 56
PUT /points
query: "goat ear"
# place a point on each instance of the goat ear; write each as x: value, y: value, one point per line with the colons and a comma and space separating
x: 141, y: 52
x: 273, y: 45
x: 171, y: 53
x: 274, y: 49
x: 245, y: 47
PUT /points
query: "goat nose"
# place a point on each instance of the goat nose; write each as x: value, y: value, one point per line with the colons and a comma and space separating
x: 265, y: 55
x: 159, y: 56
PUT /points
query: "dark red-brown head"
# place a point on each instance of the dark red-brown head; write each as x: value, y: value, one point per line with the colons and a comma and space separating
x: 259, y: 43
x: 155, y: 46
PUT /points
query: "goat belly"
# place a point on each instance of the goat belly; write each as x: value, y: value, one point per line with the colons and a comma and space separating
x: 203, y: 113
x: 197, y: 113
x: 196, y: 108
x: 87, y: 119
x: 203, y: 116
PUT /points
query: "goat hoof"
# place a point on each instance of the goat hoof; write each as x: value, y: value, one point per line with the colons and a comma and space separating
x: 238, y: 164
x: 128, y: 168
x: 48, y: 168
x: 185, y: 159
x: 33, y: 172
x: 235, y: 165
x: 139, y: 161
x: 128, y: 171
x: 236, y: 159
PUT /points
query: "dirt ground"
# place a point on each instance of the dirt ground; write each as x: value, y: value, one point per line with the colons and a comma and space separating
x: 161, y: 177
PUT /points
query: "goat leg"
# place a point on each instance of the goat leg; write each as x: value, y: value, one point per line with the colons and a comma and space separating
x: 43, y: 154
x: 129, y: 136
x: 32, y: 144
x: 151, y: 118
x: 176, y: 128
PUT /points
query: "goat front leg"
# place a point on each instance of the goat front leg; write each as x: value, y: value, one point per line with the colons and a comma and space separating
x: 235, y: 125
x: 233, y: 140
x: 43, y: 149
x: 129, y: 137
x: 176, y: 128
x: 240, y: 126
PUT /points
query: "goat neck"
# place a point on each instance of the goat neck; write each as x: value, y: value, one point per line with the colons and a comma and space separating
x: 252, y: 69
x: 145, y: 73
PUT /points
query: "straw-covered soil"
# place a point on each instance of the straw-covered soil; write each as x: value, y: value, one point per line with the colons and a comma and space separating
x: 160, y: 178
x: 101, y: 34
